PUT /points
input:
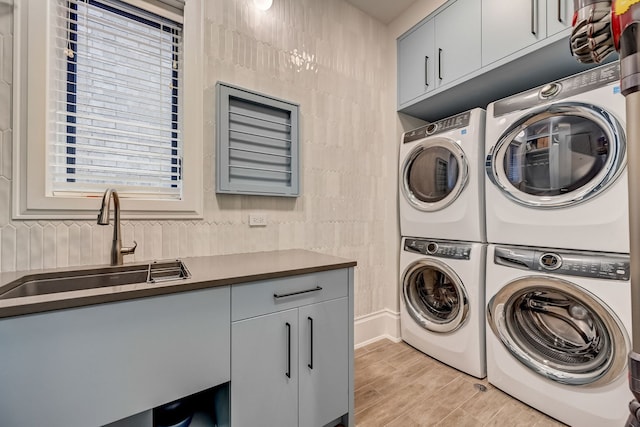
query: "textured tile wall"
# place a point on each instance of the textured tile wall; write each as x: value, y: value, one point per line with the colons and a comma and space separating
x: 325, y: 55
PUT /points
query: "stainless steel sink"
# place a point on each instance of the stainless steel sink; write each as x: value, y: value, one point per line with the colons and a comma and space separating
x: 65, y: 281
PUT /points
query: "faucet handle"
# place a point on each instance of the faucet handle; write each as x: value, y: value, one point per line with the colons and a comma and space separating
x: 129, y: 251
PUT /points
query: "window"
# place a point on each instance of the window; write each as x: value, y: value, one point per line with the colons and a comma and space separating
x: 117, y: 120
x: 114, y: 76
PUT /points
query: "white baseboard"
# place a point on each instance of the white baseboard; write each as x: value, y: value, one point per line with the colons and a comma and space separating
x: 376, y: 326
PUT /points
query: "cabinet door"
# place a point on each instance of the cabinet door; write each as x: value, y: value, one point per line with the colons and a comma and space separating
x: 324, y: 362
x: 559, y: 15
x: 264, y: 370
x: 509, y: 26
x: 416, y: 63
x: 94, y: 365
x: 458, y: 45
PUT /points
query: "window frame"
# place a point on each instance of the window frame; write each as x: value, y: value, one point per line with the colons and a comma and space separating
x: 31, y: 198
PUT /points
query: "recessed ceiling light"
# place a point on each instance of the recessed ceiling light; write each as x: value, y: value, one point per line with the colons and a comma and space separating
x: 263, y: 4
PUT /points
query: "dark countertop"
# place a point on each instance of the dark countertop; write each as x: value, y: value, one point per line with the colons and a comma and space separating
x: 206, y: 272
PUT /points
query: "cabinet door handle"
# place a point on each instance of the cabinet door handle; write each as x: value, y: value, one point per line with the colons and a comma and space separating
x: 534, y: 24
x: 426, y: 71
x: 288, y: 373
x: 440, y: 63
x: 310, y: 364
x: 560, y: 11
x: 316, y: 289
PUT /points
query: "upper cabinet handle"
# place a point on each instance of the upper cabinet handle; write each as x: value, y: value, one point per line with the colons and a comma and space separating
x: 534, y: 25
x: 440, y: 63
x: 560, y: 11
x: 426, y: 71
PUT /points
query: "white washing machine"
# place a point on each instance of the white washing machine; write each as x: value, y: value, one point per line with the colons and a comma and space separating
x: 441, y: 179
x: 558, y: 331
x: 442, y: 301
x: 555, y: 165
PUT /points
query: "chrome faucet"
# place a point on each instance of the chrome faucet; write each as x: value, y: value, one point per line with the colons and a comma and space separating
x: 117, y: 251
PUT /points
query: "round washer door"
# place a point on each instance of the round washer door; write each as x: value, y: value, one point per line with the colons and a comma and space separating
x: 434, y: 296
x: 560, y: 331
x: 433, y: 174
x: 558, y: 155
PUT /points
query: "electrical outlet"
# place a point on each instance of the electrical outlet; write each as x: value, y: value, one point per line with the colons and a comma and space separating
x: 257, y: 220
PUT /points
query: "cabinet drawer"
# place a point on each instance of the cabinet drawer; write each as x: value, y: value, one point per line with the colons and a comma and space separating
x: 268, y: 296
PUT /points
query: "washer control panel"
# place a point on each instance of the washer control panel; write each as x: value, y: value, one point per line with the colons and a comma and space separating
x: 580, y: 83
x: 438, y: 248
x: 450, y: 123
x: 568, y: 263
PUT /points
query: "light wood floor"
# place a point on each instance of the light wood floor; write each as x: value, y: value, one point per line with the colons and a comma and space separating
x: 398, y: 386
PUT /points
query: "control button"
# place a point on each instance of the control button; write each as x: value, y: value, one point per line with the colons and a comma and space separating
x: 550, y: 90
x: 432, y: 248
x: 620, y: 271
x: 550, y: 261
x: 431, y: 128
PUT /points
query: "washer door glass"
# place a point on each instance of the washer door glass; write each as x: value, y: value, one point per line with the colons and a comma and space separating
x: 434, y: 174
x: 434, y: 296
x: 559, y: 155
x: 560, y: 331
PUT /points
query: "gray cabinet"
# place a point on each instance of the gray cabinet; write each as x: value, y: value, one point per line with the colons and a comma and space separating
x: 114, y: 364
x: 457, y: 35
x: 291, y: 351
x: 508, y: 27
x: 416, y: 59
x: 323, y: 371
x: 94, y: 365
x: 559, y: 15
x: 264, y: 369
x: 484, y: 50
x: 439, y: 50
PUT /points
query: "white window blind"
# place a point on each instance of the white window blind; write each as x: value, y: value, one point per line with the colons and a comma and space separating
x: 116, y: 92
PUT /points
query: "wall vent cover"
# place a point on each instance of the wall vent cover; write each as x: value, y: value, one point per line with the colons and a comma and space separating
x: 257, y: 150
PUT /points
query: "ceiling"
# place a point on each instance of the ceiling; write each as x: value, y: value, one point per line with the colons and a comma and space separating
x: 383, y: 10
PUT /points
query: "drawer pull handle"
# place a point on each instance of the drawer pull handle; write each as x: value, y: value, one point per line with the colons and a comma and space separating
x: 310, y: 364
x: 288, y: 373
x: 316, y: 289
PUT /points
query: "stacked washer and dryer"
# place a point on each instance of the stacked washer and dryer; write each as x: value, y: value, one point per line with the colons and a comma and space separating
x: 557, y: 276
x: 442, y: 255
x: 552, y: 287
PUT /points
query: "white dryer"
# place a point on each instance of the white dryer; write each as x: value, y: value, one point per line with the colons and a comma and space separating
x: 441, y: 179
x: 558, y: 331
x: 555, y: 165
x: 442, y: 301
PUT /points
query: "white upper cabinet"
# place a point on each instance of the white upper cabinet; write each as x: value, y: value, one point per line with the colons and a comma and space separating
x: 457, y: 40
x: 509, y: 26
x: 416, y: 62
x: 559, y: 15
